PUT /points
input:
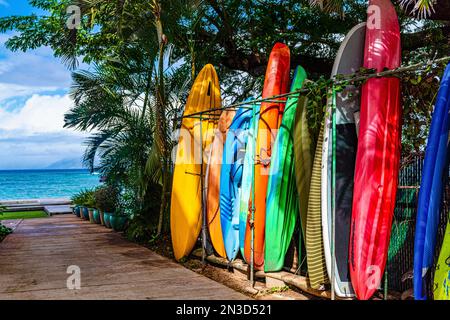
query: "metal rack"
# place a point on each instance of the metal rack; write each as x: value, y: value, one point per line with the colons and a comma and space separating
x: 339, y: 80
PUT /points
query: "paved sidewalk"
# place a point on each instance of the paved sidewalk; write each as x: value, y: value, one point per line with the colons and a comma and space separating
x: 34, y: 261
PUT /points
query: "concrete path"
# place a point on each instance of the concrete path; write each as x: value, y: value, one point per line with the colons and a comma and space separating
x: 34, y: 262
x: 61, y: 209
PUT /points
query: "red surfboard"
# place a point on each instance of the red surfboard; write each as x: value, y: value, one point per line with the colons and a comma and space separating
x: 378, y: 155
x: 275, y: 83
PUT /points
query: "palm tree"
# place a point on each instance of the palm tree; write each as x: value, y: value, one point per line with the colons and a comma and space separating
x: 158, y: 94
x: 421, y: 8
x: 118, y: 103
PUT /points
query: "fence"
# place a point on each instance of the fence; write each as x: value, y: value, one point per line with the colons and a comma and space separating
x: 401, y: 250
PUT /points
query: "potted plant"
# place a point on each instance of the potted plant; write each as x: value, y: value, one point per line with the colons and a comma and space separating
x: 107, y: 219
x: 90, y: 204
x: 106, y: 202
x: 118, y: 221
x: 77, y: 201
x: 82, y: 200
x: 119, y: 218
x: 96, y: 216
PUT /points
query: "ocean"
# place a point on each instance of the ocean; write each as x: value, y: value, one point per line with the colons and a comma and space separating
x: 44, y: 184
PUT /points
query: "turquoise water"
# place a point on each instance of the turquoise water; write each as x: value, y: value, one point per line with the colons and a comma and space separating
x: 40, y: 184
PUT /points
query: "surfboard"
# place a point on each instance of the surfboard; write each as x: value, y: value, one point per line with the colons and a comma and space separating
x: 282, y: 207
x: 231, y: 179
x: 349, y: 60
x: 212, y: 180
x: 431, y: 188
x: 247, y: 178
x: 378, y: 154
x: 442, y: 272
x: 186, y: 200
x: 276, y: 82
x: 304, y: 157
x: 315, y: 255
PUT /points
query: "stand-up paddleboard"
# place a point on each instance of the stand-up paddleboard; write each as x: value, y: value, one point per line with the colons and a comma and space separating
x: 212, y: 181
x: 276, y: 82
x: 431, y: 188
x: 315, y: 255
x: 349, y: 60
x: 442, y: 272
x: 378, y: 155
x: 282, y: 197
x: 231, y: 179
x: 186, y: 201
x: 304, y: 157
x: 247, y: 178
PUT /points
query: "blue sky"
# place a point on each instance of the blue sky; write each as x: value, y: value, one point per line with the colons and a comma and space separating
x: 33, y: 100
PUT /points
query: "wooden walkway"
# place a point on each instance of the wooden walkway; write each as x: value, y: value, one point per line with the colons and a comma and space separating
x: 34, y: 261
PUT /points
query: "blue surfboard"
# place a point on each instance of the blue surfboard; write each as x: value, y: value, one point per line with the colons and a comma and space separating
x: 431, y: 188
x: 231, y: 179
x: 247, y: 178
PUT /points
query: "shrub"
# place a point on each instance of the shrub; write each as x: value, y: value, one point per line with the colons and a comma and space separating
x: 4, y: 231
x: 106, y: 198
x: 144, y: 218
x: 84, y: 198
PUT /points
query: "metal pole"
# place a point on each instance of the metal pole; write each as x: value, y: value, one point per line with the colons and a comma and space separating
x: 386, y: 284
x: 252, y: 220
x: 333, y: 194
x: 202, y: 194
x: 342, y: 80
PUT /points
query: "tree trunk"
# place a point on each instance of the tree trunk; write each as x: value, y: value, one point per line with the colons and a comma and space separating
x: 161, y: 121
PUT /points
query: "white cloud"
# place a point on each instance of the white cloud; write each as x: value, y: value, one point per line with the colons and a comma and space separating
x: 9, y: 90
x: 33, y: 136
x: 34, y: 71
x: 40, y: 114
x: 33, y: 102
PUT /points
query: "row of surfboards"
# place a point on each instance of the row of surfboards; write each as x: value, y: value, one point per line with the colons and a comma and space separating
x: 223, y: 154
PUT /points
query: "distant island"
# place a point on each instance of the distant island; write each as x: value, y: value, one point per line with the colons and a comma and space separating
x: 67, y: 163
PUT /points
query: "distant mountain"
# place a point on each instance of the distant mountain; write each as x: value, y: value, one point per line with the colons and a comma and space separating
x: 67, y: 163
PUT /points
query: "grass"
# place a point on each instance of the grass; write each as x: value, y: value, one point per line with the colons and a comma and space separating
x: 23, y: 215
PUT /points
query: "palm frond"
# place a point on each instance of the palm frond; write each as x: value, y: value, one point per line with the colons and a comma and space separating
x: 422, y: 8
x: 329, y: 5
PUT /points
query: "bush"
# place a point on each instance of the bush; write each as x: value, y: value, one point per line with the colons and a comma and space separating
x: 84, y: 198
x: 4, y: 231
x: 106, y: 198
x: 144, y: 219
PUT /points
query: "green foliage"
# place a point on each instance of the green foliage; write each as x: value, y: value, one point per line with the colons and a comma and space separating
x: 84, y: 198
x: 4, y: 231
x: 143, y: 222
x: 106, y: 198
x: 23, y: 215
x: 317, y: 95
x: 419, y: 92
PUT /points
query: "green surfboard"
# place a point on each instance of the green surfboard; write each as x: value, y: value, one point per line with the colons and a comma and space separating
x: 304, y: 155
x: 282, y: 204
x: 442, y: 272
x: 315, y: 255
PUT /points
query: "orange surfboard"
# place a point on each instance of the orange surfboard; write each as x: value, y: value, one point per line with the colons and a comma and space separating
x: 213, y: 182
x: 275, y: 83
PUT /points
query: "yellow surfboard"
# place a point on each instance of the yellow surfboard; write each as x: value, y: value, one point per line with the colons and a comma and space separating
x: 442, y: 272
x: 193, y: 144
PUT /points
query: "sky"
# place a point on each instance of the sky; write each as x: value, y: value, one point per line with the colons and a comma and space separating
x: 34, y: 97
